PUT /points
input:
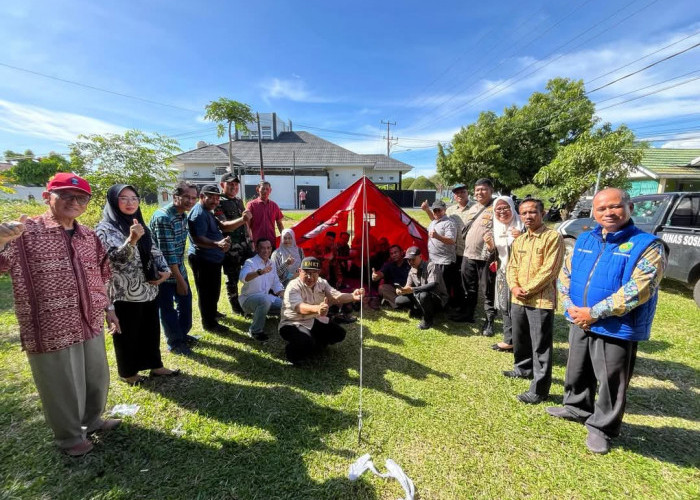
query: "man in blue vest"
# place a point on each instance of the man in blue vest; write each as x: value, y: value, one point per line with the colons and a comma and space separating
x: 609, y: 286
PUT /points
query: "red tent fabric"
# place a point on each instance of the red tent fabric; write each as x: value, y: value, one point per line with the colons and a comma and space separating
x: 385, y: 219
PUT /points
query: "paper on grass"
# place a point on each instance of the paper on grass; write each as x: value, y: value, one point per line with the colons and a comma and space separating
x: 364, y: 463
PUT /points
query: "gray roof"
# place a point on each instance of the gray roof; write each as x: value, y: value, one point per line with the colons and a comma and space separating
x: 300, y: 148
x: 384, y: 162
x: 209, y: 154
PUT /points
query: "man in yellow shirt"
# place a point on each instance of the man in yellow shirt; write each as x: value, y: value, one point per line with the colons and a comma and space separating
x: 536, y: 258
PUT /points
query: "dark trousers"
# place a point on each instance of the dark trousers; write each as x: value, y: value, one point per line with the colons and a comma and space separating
x: 303, y: 342
x: 605, y: 362
x: 476, y: 276
x: 426, y: 304
x: 532, y: 345
x: 232, y: 268
x: 453, y: 281
x: 137, y: 347
x: 207, y: 279
x: 507, y: 324
x: 175, y: 313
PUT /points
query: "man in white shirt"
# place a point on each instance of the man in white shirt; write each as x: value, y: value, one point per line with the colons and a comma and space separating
x: 259, y: 277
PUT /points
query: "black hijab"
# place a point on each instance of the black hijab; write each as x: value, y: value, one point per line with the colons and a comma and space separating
x: 123, y: 222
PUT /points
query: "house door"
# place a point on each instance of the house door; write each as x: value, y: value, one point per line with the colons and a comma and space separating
x: 312, y: 197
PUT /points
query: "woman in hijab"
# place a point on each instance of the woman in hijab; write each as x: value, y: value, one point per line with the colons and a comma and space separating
x: 287, y: 257
x: 138, y: 267
x: 506, y: 227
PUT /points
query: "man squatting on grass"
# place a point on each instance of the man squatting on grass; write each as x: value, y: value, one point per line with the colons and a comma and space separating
x: 304, y: 321
x: 609, y: 285
x: 59, y: 274
x: 536, y: 257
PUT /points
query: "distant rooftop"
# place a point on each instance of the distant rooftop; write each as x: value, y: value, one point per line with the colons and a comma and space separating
x: 670, y: 163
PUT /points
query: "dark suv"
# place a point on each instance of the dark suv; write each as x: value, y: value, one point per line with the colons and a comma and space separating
x: 675, y: 218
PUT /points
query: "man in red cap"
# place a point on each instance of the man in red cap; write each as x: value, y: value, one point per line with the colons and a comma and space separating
x: 59, y: 272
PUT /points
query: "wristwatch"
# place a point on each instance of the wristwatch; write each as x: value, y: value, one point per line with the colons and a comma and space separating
x: 109, y: 307
x: 259, y: 271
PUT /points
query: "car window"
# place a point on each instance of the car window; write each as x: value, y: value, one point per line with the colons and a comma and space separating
x: 687, y: 212
x: 648, y: 211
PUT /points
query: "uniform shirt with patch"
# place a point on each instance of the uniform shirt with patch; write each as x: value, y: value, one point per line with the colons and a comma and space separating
x: 297, y: 293
x: 474, y: 246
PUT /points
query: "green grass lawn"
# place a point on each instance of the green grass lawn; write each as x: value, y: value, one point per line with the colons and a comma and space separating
x: 434, y: 401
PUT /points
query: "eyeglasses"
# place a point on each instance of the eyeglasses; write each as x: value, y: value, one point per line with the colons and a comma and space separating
x: 502, y: 209
x: 82, y: 199
x: 129, y: 199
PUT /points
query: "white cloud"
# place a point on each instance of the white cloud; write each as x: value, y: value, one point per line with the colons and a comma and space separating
x: 47, y: 124
x: 688, y: 141
x: 413, y: 142
x: 294, y: 90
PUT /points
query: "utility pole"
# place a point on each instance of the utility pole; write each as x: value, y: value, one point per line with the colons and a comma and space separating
x: 262, y: 169
x: 388, y: 136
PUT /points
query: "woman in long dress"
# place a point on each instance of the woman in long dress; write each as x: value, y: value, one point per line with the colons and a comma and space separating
x: 138, y: 267
x: 506, y: 227
x: 287, y: 257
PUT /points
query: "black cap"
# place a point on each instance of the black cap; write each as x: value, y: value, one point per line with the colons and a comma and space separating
x: 412, y: 252
x: 210, y: 189
x: 439, y: 204
x: 311, y: 264
x: 229, y: 177
x: 458, y: 187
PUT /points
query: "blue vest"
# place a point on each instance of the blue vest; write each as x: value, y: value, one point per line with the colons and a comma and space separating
x: 600, y: 267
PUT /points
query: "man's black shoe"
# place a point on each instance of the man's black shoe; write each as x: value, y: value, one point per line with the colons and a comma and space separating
x: 259, y: 336
x: 191, y: 340
x: 424, y: 325
x: 531, y: 398
x: 461, y: 318
x: 597, y: 443
x: 219, y: 315
x: 487, y: 331
x: 562, y: 412
x: 182, y: 350
x: 217, y: 328
x: 514, y: 374
x: 412, y: 313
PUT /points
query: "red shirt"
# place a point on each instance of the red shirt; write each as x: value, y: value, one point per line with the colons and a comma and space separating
x: 265, y: 215
x: 58, y: 283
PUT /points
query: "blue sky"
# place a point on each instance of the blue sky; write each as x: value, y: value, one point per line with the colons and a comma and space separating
x: 338, y: 70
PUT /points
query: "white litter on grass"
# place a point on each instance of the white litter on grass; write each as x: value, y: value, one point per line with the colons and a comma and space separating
x: 124, y: 410
x: 364, y: 463
x: 178, y: 431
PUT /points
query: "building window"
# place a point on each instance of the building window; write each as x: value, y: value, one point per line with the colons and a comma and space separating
x: 371, y: 217
x: 353, y: 175
x: 337, y: 175
x: 391, y: 178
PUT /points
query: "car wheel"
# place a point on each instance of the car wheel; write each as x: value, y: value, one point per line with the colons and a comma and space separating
x: 696, y: 292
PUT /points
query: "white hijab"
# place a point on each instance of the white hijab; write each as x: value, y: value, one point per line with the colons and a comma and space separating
x: 284, y: 252
x: 502, y: 236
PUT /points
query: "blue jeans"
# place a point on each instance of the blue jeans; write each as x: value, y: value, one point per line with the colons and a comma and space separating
x: 175, y: 314
x: 259, y: 305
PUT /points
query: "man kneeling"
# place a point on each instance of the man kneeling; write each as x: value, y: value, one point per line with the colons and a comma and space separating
x: 425, y: 292
x: 304, y: 320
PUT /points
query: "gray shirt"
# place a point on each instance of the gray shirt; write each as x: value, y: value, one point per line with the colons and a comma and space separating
x: 425, y: 273
x: 439, y: 252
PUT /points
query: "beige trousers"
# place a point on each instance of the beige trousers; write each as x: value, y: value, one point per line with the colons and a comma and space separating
x: 72, y: 385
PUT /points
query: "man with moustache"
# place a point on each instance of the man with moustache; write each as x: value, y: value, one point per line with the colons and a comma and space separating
x: 609, y: 286
x: 394, y: 272
x: 265, y: 214
x: 535, y: 260
x: 233, y: 219
x: 208, y: 246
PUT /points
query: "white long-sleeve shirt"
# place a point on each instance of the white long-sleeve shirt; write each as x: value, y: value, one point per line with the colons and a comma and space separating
x: 260, y: 284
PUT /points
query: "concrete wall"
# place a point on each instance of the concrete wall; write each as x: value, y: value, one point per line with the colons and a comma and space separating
x: 23, y: 192
x: 283, y: 192
x: 342, y: 177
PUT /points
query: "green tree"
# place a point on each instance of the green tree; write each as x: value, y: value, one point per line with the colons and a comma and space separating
x: 511, y: 148
x: 28, y: 171
x: 407, y: 182
x: 233, y: 114
x: 612, y: 153
x: 135, y: 158
x: 422, y: 182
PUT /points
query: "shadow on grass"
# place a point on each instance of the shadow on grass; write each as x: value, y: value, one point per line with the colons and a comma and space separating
x: 327, y: 373
x: 676, y: 288
x: 7, y: 302
x: 134, y: 462
x: 668, y: 444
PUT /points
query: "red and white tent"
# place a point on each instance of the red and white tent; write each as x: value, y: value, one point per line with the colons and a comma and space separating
x: 344, y: 213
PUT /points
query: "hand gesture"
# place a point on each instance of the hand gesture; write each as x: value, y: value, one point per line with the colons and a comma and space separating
x: 424, y: 205
x: 514, y: 232
x: 266, y: 269
x: 112, y: 322
x: 289, y: 261
x: 519, y: 293
x: 224, y: 244
x: 488, y: 239
x: 247, y: 215
x: 10, y: 231
x: 357, y: 294
x: 375, y: 276
x: 323, y: 307
x: 406, y: 290
x: 163, y: 275
x: 135, y: 232
x: 432, y: 233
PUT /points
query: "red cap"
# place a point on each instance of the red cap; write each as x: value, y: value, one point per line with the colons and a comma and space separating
x: 68, y: 180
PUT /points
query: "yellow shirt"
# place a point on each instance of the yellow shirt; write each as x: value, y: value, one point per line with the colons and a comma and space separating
x: 534, y: 264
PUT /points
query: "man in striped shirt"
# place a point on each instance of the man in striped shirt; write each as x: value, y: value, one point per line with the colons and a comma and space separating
x: 536, y: 258
x: 169, y: 232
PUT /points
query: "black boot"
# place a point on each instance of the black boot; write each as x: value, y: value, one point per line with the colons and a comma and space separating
x: 488, y: 328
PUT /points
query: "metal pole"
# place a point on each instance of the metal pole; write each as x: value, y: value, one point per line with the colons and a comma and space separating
x: 262, y: 169
x: 597, y: 184
x: 294, y: 173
